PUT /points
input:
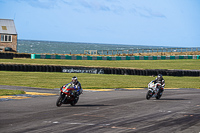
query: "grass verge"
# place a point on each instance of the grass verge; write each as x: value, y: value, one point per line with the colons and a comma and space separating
x: 4, y: 92
x: 186, y: 64
x: 90, y: 81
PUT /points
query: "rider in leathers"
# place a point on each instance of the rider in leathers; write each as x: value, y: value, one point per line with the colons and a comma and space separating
x: 160, y: 80
x: 77, y: 85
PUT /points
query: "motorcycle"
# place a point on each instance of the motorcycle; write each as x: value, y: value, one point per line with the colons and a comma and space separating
x: 68, y: 95
x: 153, y: 91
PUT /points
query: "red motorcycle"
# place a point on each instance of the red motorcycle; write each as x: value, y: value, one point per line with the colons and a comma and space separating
x: 68, y: 95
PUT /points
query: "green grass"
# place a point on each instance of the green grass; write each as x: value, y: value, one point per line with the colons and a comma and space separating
x: 4, y: 92
x: 55, y: 80
x: 90, y: 81
x: 186, y: 64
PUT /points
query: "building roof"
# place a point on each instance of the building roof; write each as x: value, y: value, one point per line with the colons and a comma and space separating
x: 7, y: 26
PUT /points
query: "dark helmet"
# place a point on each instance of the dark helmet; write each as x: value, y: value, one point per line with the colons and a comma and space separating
x: 74, y: 79
x: 159, y: 77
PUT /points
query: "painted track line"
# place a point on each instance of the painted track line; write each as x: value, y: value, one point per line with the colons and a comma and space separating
x: 25, y: 96
x: 121, y: 89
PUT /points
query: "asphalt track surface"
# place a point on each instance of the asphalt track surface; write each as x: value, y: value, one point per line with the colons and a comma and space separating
x: 117, y: 111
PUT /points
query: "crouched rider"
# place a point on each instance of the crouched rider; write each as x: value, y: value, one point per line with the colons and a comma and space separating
x: 75, y: 83
x: 161, y: 81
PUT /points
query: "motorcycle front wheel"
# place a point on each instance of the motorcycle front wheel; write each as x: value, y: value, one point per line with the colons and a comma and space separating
x: 148, y: 95
x: 59, y: 101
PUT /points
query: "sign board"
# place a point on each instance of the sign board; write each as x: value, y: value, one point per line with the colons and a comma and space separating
x: 83, y: 70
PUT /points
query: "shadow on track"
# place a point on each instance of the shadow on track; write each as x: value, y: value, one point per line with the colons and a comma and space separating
x: 173, y: 99
x: 92, y: 105
x: 86, y: 105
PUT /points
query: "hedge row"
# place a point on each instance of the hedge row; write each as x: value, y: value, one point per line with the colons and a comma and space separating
x: 146, y: 72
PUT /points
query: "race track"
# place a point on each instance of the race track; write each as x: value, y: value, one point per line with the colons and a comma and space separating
x: 123, y: 111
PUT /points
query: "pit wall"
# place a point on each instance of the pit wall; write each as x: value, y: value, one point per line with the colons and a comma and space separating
x: 68, y: 57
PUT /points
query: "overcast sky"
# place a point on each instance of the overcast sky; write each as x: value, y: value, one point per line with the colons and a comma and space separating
x: 137, y: 22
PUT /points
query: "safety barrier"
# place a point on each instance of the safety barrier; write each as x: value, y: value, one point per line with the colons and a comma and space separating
x: 14, y: 55
x: 68, y: 57
x: 6, y: 55
x: 97, y: 70
x: 22, y: 55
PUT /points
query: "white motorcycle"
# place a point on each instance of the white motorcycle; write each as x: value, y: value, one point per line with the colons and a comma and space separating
x: 153, y: 91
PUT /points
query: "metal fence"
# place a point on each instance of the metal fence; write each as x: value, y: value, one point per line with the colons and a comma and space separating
x: 134, y: 51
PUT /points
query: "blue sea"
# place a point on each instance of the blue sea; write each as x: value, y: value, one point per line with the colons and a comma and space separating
x: 53, y: 47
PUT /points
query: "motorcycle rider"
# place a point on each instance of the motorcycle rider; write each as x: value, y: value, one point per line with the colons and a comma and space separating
x: 77, y: 85
x: 161, y: 81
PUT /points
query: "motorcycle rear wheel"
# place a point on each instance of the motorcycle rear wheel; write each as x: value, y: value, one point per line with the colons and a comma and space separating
x: 59, y: 101
x: 148, y: 96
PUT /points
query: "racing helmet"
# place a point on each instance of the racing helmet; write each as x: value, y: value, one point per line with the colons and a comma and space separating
x: 159, y: 77
x: 74, y: 79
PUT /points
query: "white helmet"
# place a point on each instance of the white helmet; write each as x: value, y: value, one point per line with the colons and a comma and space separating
x: 159, y: 76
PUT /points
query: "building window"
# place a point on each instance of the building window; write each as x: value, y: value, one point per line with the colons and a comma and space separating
x: 6, y: 38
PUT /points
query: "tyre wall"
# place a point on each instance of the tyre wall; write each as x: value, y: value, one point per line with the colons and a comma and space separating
x: 68, y: 57
x: 21, y: 55
x: 6, y: 55
x: 98, y: 70
x: 13, y: 55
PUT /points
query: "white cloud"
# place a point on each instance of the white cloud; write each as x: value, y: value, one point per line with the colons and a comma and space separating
x: 47, y: 4
x: 146, y: 12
